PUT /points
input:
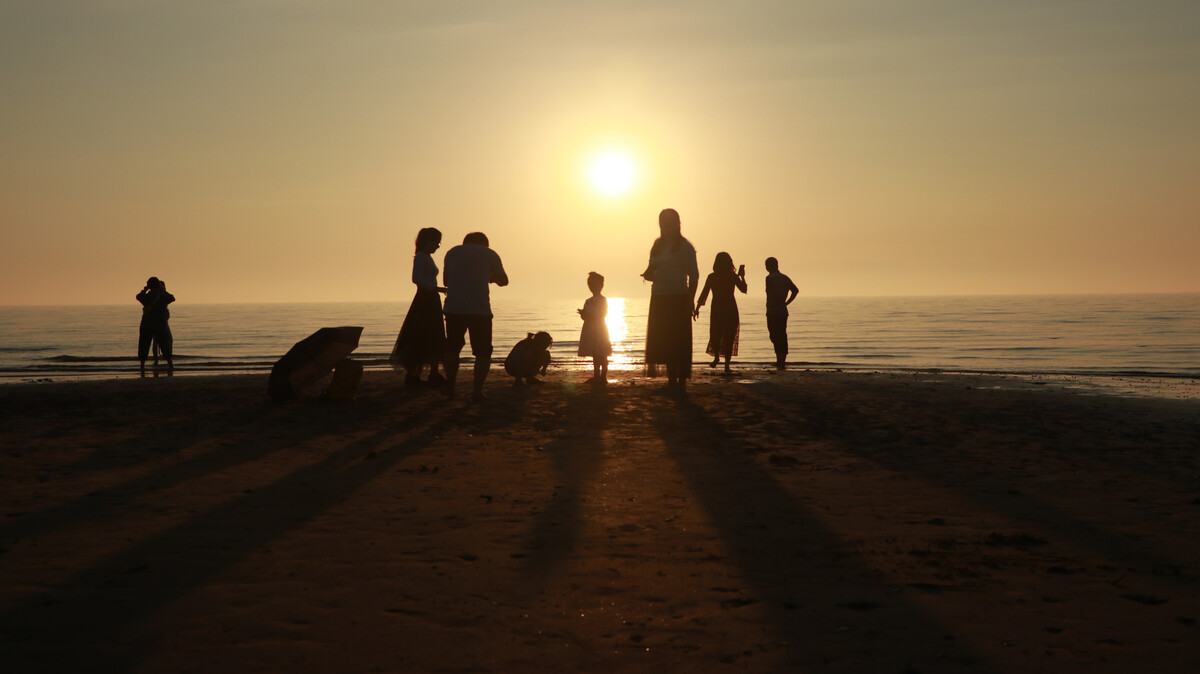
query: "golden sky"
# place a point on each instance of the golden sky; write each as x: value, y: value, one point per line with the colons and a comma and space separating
x: 289, y: 150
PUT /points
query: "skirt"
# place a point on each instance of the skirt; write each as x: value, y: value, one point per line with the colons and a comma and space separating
x: 724, y: 327
x: 669, y: 334
x: 422, y: 338
x: 593, y: 339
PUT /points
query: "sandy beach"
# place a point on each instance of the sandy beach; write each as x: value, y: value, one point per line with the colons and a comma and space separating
x: 804, y: 521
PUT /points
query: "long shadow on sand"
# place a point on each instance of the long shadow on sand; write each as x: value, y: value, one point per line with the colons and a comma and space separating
x: 274, y: 428
x: 802, y: 574
x: 92, y: 610
x: 575, y: 457
x: 942, y: 448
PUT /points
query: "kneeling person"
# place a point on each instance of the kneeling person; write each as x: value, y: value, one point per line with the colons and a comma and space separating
x: 528, y: 357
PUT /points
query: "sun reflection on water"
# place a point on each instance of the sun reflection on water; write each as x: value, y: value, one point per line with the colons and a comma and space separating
x: 618, y: 331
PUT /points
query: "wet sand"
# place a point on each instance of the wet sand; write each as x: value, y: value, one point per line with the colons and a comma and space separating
x: 806, y: 521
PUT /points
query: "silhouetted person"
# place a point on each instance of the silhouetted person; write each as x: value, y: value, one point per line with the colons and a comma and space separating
x: 724, y: 323
x: 593, y: 337
x: 154, y: 299
x: 530, y: 356
x: 422, y: 338
x: 673, y: 272
x: 780, y: 293
x: 469, y: 268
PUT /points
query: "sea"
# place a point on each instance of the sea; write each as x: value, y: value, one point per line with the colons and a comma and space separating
x: 1142, y: 335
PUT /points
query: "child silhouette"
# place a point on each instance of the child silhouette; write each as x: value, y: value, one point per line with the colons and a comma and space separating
x: 593, y: 337
x: 528, y: 357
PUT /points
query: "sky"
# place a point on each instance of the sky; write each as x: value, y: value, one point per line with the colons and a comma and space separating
x: 289, y: 150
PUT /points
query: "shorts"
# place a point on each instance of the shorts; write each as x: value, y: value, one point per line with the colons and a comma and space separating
x: 480, y: 328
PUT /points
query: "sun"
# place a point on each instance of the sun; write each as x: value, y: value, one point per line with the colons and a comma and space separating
x: 612, y: 173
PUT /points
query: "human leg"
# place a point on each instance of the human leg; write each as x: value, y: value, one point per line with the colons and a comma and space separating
x: 145, y: 336
x: 166, y: 343
x: 777, y: 328
x: 480, y: 328
x: 456, y: 330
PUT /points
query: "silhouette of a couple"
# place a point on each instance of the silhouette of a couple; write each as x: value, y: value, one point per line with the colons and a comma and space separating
x: 424, y: 339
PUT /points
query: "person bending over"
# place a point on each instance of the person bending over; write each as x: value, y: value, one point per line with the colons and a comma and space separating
x: 530, y: 356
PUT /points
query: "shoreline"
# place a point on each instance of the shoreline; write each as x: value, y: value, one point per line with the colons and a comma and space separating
x: 1134, y: 384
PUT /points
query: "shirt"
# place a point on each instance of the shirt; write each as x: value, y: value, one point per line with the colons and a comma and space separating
x: 425, y: 271
x: 778, y: 287
x: 469, y: 269
x: 154, y: 304
x: 670, y: 268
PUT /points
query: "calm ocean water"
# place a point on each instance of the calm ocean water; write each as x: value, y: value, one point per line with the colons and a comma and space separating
x: 1089, y: 334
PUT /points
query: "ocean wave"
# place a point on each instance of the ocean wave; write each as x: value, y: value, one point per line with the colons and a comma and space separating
x: 67, y: 358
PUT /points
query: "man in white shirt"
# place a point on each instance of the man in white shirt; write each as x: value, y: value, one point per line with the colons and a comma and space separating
x: 467, y: 271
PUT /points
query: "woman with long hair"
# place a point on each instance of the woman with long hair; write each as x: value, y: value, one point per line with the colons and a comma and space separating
x: 724, y: 322
x: 672, y: 271
x: 422, y: 338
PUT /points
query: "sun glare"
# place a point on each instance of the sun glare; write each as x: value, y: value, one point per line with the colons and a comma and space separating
x: 615, y: 321
x: 618, y: 331
x: 612, y: 173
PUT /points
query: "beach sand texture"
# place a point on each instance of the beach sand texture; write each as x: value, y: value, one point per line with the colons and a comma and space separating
x: 805, y: 521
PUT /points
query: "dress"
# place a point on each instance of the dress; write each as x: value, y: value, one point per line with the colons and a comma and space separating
x: 422, y: 337
x: 724, y: 322
x: 669, y: 327
x: 593, y: 337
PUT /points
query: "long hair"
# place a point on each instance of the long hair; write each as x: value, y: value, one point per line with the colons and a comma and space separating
x: 669, y: 223
x: 427, y: 236
x: 723, y: 263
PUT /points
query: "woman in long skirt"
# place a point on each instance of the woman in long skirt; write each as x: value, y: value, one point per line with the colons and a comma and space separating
x: 724, y: 322
x: 422, y: 338
x: 673, y: 272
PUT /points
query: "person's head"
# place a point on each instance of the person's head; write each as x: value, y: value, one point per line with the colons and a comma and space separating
x: 542, y: 340
x: 668, y: 223
x: 477, y: 238
x: 428, y: 239
x: 772, y: 264
x: 595, y: 282
x: 723, y: 262
x: 153, y: 283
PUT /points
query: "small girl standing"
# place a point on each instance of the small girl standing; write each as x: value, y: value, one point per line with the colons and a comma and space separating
x: 593, y: 338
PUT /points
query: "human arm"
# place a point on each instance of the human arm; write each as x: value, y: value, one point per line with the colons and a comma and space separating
x: 703, y: 296
x: 651, y: 265
x: 693, y: 271
x: 739, y: 281
x: 498, y: 276
x: 792, y: 292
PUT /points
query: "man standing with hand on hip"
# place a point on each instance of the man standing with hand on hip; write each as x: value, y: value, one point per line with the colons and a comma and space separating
x: 780, y: 293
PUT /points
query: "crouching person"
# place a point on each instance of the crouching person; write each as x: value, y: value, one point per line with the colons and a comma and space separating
x: 528, y: 357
